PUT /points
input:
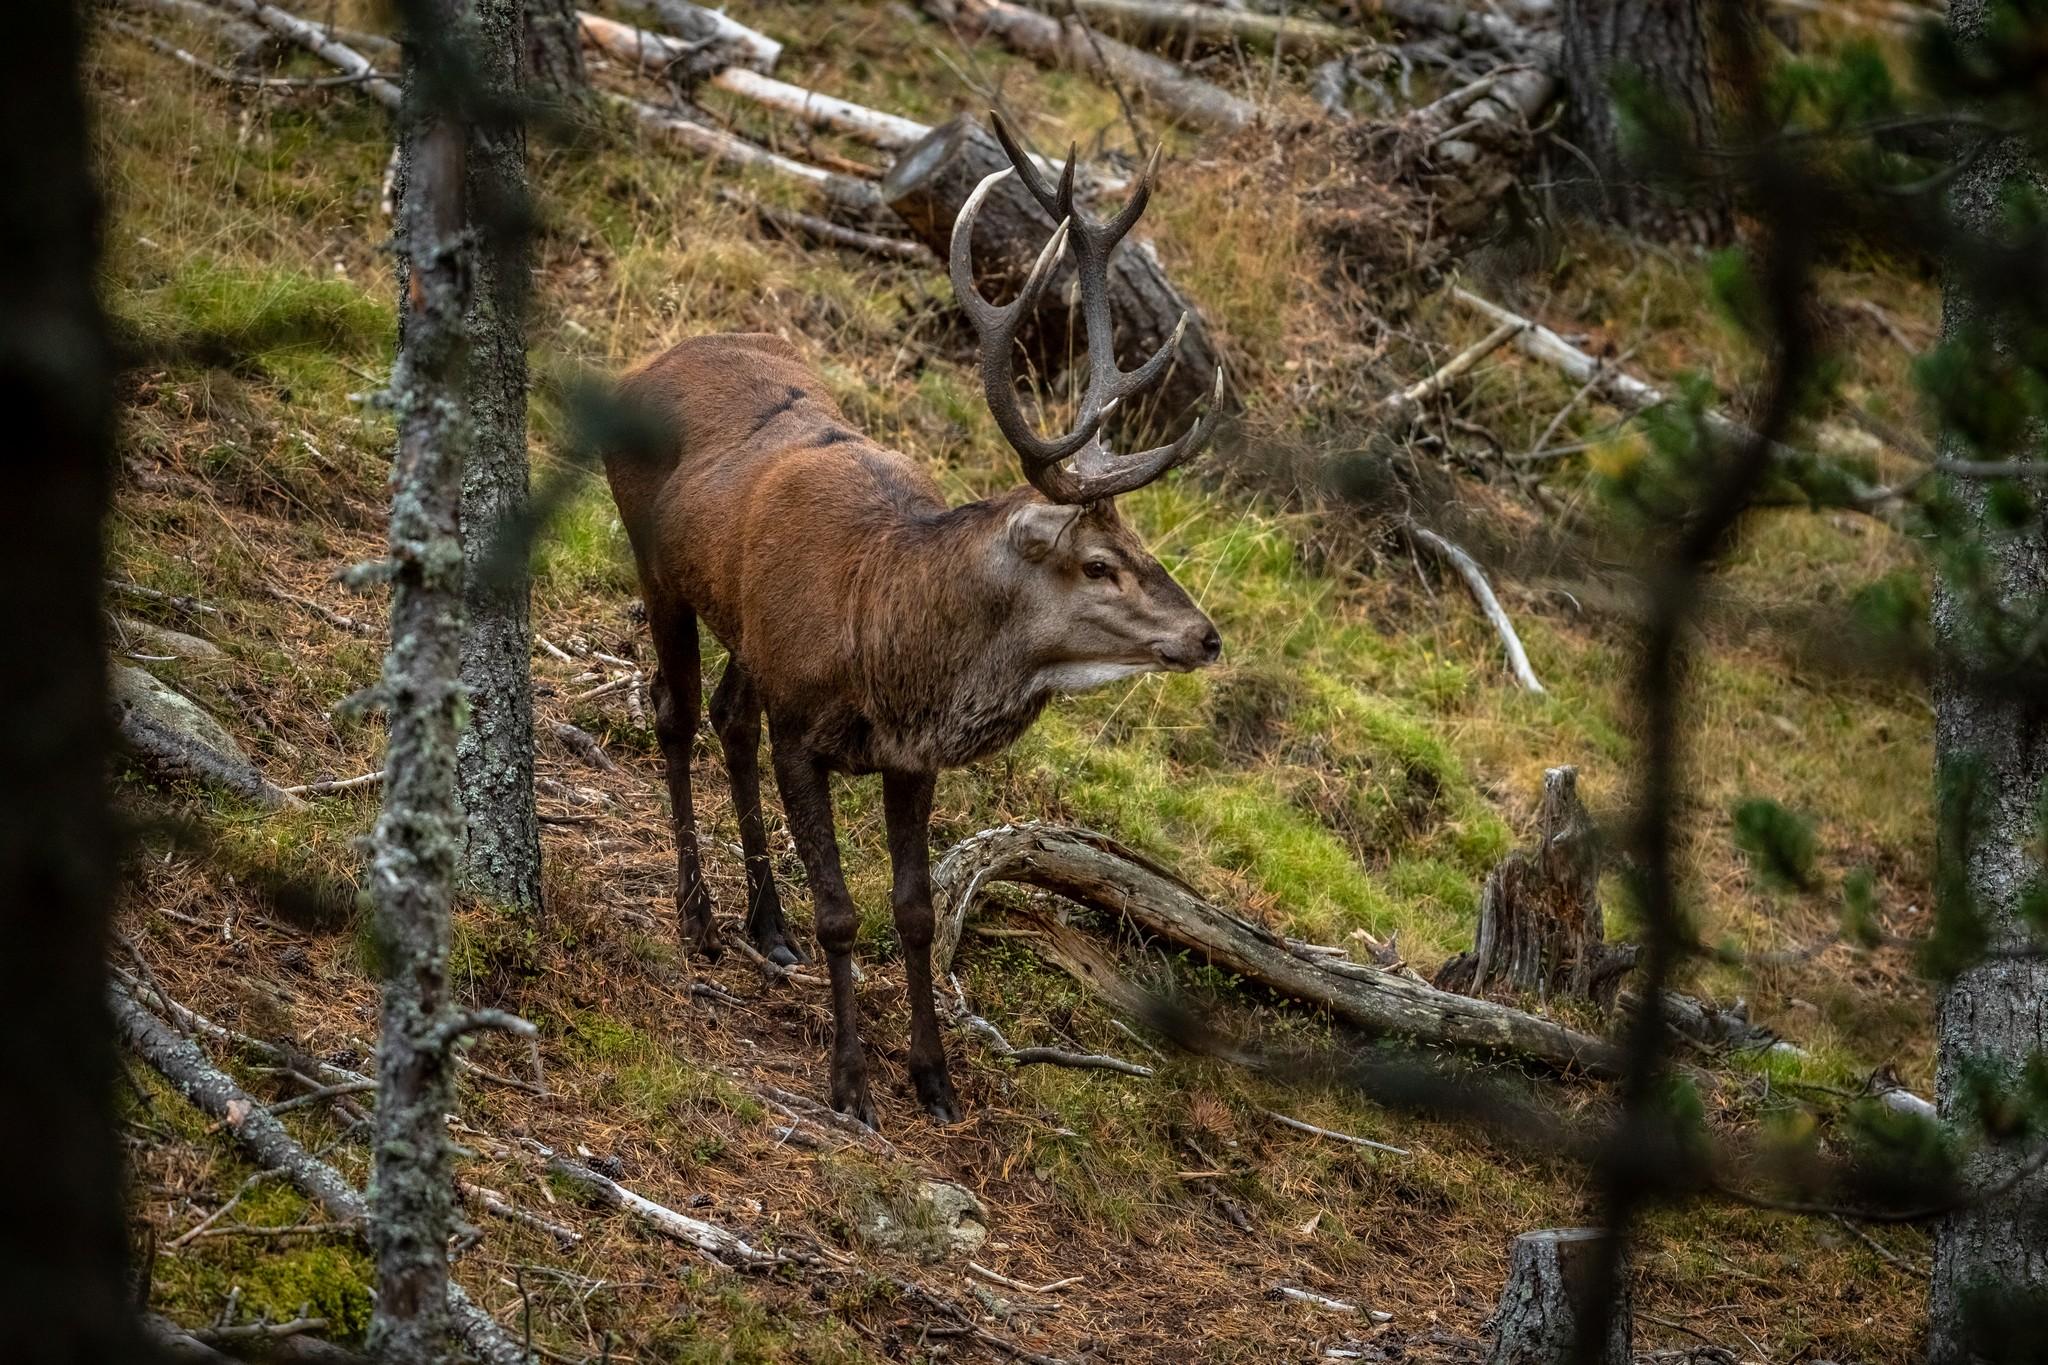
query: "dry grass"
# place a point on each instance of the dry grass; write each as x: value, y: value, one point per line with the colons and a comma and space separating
x: 1358, y: 764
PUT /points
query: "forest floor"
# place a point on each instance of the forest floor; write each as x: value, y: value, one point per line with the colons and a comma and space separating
x: 1355, y: 767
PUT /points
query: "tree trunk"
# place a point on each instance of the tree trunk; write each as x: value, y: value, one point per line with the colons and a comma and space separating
x: 1994, y: 1013
x: 1627, y: 58
x: 418, y: 837
x: 1540, y: 926
x: 927, y: 187
x: 63, y: 1283
x: 552, y: 50
x: 1546, y: 1298
x: 496, y: 748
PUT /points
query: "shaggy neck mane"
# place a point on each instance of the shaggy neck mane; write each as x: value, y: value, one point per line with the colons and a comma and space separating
x: 933, y: 646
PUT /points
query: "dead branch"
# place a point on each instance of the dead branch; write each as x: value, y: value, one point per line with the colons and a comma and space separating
x: 973, y: 1268
x: 720, y: 145
x: 1331, y: 1133
x: 1048, y: 1056
x: 1098, y: 871
x: 178, y: 1060
x: 332, y: 618
x: 1404, y: 403
x: 584, y: 745
x: 1632, y: 395
x: 330, y: 786
x: 1216, y: 27
x: 191, y: 606
x: 1060, y: 41
x: 1482, y: 592
x: 655, y: 53
x: 491, y: 1201
x: 321, y: 44
x: 226, y: 76
x: 1324, y: 1302
x: 713, y: 1242
x: 792, y: 223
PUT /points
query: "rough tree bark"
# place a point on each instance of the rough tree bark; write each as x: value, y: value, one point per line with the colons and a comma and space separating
x: 552, y: 50
x: 1661, y: 50
x: 1540, y: 926
x: 63, y: 1290
x: 418, y: 837
x: 1546, y: 1298
x: 1995, y: 1012
x: 927, y: 186
x: 495, y: 751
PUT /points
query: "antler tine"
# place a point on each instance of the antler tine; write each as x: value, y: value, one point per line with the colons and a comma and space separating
x: 997, y: 328
x: 1060, y: 202
x: 1146, y: 375
x: 1127, y: 217
x: 1122, y: 474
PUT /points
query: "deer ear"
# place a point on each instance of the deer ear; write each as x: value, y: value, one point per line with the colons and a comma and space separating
x: 1036, y: 527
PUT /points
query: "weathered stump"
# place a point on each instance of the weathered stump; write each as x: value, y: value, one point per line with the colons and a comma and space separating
x: 932, y: 180
x: 1550, y: 1296
x: 1540, y: 927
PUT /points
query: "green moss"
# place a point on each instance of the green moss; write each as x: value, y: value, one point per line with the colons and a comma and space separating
x: 651, y: 1082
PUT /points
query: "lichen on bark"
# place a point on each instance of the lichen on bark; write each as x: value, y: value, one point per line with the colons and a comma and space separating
x: 1991, y: 749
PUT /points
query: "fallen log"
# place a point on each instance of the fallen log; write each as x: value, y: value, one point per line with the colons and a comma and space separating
x: 725, y: 40
x: 178, y: 1060
x: 1098, y: 871
x: 1202, y: 24
x: 932, y: 180
x: 841, y: 190
x: 241, y: 35
x: 654, y: 53
x: 1061, y: 41
x: 171, y: 737
x: 321, y: 44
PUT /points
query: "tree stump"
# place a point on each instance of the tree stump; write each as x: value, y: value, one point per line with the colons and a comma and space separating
x: 927, y: 187
x: 1549, y: 1294
x: 1540, y: 927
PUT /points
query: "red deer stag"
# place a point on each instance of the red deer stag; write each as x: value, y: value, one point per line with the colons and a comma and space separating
x: 877, y: 628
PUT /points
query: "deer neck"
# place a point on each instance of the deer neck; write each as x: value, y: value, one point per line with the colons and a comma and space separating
x: 949, y: 677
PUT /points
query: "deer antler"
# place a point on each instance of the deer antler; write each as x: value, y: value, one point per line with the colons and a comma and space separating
x: 1097, y: 472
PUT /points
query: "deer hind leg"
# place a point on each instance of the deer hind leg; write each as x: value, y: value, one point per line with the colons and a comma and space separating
x: 907, y: 807
x: 736, y: 715
x: 807, y: 801
x: 678, y: 696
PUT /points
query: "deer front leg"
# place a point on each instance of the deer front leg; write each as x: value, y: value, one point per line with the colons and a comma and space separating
x: 907, y: 807
x: 807, y: 801
x: 678, y: 696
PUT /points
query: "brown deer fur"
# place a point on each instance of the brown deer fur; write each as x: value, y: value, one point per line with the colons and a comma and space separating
x: 877, y: 628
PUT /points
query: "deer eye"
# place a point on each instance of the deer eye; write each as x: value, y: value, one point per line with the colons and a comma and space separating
x: 1098, y: 568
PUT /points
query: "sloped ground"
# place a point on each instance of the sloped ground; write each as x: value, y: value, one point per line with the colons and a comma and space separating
x: 1357, y: 765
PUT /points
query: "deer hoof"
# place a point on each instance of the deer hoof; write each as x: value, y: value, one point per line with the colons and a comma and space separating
x: 935, y: 1093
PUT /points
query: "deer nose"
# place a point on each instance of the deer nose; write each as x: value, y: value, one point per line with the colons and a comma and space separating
x: 1212, y: 646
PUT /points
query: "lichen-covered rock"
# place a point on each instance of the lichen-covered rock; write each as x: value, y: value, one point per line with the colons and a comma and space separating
x: 147, y: 637
x: 933, y: 1221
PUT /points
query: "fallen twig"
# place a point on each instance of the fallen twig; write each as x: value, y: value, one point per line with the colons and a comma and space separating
x: 1046, y: 1056
x: 1332, y: 1133
x: 792, y: 222
x: 178, y: 1060
x: 492, y: 1202
x: 585, y: 746
x: 331, y: 617
x: 713, y: 1242
x: 239, y: 78
x: 1006, y: 1282
x: 1489, y: 605
x: 1324, y: 1302
x: 329, y: 786
x: 1405, y: 402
